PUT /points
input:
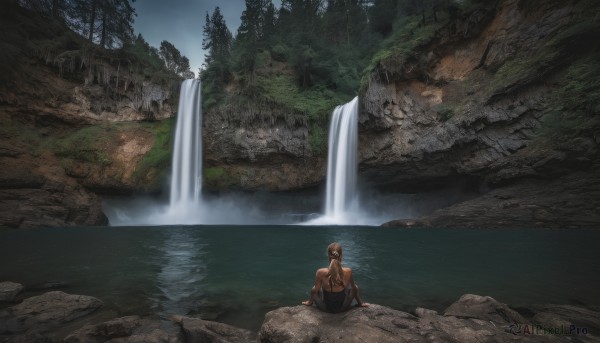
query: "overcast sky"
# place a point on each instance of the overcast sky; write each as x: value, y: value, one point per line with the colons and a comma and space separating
x: 181, y: 21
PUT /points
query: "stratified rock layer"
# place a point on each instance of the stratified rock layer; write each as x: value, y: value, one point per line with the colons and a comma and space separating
x: 480, y: 101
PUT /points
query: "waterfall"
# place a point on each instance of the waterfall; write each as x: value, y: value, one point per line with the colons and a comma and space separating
x: 342, y: 161
x: 186, y: 170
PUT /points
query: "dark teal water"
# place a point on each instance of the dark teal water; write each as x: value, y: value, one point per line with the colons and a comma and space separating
x: 237, y: 274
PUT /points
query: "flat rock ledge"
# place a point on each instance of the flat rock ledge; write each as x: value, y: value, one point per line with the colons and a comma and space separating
x: 472, y: 318
x: 61, y: 317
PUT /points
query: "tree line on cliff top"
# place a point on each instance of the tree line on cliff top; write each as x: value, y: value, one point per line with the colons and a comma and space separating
x: 327, y: 43
x: 109, y: 24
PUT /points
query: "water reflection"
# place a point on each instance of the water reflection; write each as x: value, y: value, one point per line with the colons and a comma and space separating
x: 182, y: 272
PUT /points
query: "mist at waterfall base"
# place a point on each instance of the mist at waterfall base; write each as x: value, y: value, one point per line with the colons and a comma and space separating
x: 187, y: 205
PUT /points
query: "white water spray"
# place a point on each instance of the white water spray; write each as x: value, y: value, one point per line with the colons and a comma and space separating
x: 342, y: 161
x: 186, y: 172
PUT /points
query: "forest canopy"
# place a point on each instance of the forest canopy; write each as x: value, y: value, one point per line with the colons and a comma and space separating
x: 108, y: 24
x: 329, y: 44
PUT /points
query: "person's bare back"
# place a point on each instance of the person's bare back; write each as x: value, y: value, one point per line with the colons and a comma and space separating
x: 334, y: 288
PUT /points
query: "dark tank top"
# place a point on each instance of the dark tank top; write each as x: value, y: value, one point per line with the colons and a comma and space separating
x: 334, y: 300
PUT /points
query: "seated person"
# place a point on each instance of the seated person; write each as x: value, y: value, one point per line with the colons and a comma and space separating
x: 334, y: 287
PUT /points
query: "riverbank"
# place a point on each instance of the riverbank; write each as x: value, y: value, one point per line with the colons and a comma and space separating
x: 56, y: 316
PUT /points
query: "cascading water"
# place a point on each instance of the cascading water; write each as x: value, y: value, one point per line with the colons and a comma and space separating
x: 186, y: 172
x: 340, y: 197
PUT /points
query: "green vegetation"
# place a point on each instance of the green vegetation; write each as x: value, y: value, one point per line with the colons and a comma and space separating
x: 317, y: 137
x: 445, y: 111
x: 409, y: 34
x: 21, y: 137
x: 309, y: 56
x: 218, y: 177
x: 315, y: 102
x: 562, y: 45
x: 86, y: 38
x: 158, y: 159
x: 576, y: 100
x: 557, y: 123
x: 580, y: 85
x: 89, y: 144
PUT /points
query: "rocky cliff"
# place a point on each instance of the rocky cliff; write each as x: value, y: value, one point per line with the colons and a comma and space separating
x: 268, y: 150
x: 76, y: 122
x: 501, y: 98
x: 505, y: 96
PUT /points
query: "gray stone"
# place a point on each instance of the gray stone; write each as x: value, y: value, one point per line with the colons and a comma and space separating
x: 552, y: 316
x: 484, y: 308
x: 308, y: 324
x: 9, y: 290
x: 382, y: 324
x: 48, y: 310
x: 204, y: 331
x: 130, y: 329
x: 379, y: 324
x: 423, y: 312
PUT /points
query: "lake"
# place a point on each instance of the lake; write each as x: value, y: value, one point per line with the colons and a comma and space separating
x: 235, y: 274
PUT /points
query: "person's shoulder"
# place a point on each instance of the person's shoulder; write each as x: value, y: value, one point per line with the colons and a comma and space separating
x: 347, y: 270
x: 322, y: 271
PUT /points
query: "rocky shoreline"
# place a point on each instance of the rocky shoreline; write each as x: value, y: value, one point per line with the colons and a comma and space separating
x: 56, y: 316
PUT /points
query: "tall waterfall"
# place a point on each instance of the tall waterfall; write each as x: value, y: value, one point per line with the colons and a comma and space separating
x: 342, y: 161
x: 186, y: 172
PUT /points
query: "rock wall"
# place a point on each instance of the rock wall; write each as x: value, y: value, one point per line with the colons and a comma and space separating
x: 37, y: 192
x: 268, y: 151
x: 66, y: 141
x: 483, y: 100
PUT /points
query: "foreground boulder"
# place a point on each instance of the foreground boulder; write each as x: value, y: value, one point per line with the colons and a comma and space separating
x: 556, y: 316
x: 484, y: 308
x: 472, y: 318
x: 131, y: 329
x: 52, y: 316
x: 203, y: 331
x: 9, y: 290
x: 308, y: 324
x: 47, y: 311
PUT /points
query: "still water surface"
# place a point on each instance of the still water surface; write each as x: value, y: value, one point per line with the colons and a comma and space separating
x: 235, y: 274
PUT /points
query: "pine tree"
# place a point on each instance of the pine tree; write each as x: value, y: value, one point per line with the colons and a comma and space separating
x: 249, y: 39
x: 116, y: 22
x: 217, y: 37
x: 269, y: 22
x: 344, y: 20
x: 217, y: 42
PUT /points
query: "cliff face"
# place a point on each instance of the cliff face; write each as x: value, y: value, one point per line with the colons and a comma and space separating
x: 267, y: 152
x: 74, y: 125
x: 506, y: 96
x: 64, y: 142
x: 503, y: 97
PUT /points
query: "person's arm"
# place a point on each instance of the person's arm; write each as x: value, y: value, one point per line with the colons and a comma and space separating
x: 315, y: 289
x: 359, y: 301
